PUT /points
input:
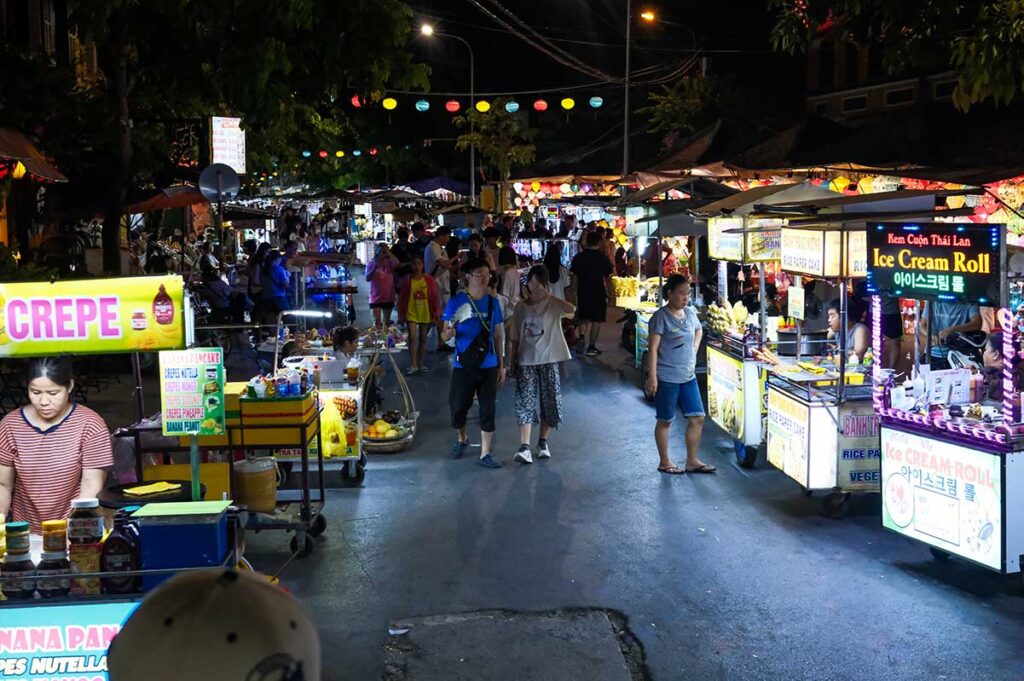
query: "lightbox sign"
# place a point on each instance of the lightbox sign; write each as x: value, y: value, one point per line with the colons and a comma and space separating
x: 943, y: 494
x: 732, y: 239
x: 959, y: 262
x: 816, y: 252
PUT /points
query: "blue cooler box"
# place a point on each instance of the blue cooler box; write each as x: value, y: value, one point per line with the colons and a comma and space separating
x: 181, y: 535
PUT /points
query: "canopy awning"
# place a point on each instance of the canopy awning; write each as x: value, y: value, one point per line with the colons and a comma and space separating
x: 16, y: 148
x: 175, y: 196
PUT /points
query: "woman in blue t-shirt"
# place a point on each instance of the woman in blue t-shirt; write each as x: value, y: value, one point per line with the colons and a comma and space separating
x: 674, y: 334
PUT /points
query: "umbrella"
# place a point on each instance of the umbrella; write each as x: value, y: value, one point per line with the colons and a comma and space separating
x: 175, y: 196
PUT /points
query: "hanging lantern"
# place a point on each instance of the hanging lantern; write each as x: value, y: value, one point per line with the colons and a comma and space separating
x: 596, y: 102
x: 866, y: 185
x: 518, y: 186
x: 518, y: 201
x: 955, y: 202
x: 574, y: 188
x: 531, y: 195
x: 390, y: 103
x: 19, y: 171
x: 512, y: 106
x: 541, y: 195
x: 540, y: 105
x: 357, y: 153
x: 451, y: 105
x: 357, y: 102
x: 568, y: 103
x: 422, y: 105
x: 323, y: 153
x: 535, y: 186
x: 373, y: 151
x: 306, y: 153
x: 339, y: 153
x: 483, y: 106
x: 565, y: 188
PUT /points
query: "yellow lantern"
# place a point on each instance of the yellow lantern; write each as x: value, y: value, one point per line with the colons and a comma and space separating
x: 866, y: 185
x: 568, y: 103
x: 955, y: 202
x: 19, y: 171
x: 483, y: 106
x: 390, y: 103
x: 535, y: 186
x: 839, y: 184
x: 623, y: 239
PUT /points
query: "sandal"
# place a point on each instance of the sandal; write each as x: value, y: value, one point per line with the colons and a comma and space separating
x: 671, y: 470
x: 703, y: 468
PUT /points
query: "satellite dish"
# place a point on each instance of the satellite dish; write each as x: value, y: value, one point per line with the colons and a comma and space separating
x: 219, y: 183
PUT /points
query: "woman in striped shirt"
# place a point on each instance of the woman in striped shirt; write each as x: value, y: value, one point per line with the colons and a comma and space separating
x: 51, y: 450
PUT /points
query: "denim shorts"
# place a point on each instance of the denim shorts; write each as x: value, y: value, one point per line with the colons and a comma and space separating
x: 686, y: 396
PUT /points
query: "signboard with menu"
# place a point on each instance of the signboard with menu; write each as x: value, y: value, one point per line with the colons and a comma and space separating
x: 816, y: 252
x: 227, y: 142
x: 960, y: 262
x: 725, y: 392
x: 192, y: 391
x: 133, y: 314
x: 788, y: 424
x: 943, y: 494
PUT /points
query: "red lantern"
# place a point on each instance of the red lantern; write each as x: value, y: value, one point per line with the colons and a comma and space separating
x: 451, y: 105
x: 373, y: 151
x: 540, y: 105
x: 356, y: 101
x: 323, y: 154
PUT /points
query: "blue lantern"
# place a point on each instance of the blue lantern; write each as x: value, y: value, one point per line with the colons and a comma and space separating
x: 512, y: 106
x: 422, y: 105
x: 596, y: 102
x: 306, y: 154
x: 357, y: 153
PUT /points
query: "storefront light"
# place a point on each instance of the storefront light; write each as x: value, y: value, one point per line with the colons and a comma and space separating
x: 19, y: 171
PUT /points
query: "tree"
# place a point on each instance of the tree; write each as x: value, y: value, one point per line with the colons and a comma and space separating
x: 500, y: 138
x: 982, y: 40
x: 689, y: 104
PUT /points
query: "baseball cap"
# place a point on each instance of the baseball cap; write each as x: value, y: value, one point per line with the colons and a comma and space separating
x: 216, y: 625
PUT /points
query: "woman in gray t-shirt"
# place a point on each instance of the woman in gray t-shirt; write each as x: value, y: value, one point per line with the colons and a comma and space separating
x: 674, y: 334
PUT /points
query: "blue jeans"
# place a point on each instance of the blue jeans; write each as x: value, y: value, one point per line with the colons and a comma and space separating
x: 685, y: 396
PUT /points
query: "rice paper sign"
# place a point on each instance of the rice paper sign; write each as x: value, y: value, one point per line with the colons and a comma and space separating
x: 788, y: 424
x: 817, y: 253
x: 796, y: 302
x: 725, y: 392
x: 192, y: 391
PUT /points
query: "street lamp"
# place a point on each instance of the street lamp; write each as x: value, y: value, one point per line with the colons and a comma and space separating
x: 428, y: 31
x: 647, y: 15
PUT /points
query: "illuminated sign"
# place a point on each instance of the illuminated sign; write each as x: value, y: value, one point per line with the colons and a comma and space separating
x: 816, y: 252
x: 722, y: 245
x: 227, y: 142
x: 788, y: 428
x: 947, y: 262
x: 138, y: 314
x: 725, y: 392
x: 41, y: 643
x: 192, y: 391
x: 943, y: 494
x: 796, y: 301
x: 726, y: 240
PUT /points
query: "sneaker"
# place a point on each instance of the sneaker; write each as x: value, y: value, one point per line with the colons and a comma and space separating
x: 543, y: 451
x: 523, y: 455
x: 488, y: 461
x: 411, y: 370
x: 458, y: 448
x: 593, y: 352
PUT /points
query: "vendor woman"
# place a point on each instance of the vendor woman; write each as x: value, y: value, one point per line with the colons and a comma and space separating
x: 857, y: 336
x: 51, y: 450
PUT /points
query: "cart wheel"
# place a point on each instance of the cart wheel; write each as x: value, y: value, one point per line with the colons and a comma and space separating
x: 352, y: 474
x: 837, y: 505
x: 319, y: 525
x: 939, y: 554
x: 745, y: 456
x: 362, y: 459
x: 303, y: 548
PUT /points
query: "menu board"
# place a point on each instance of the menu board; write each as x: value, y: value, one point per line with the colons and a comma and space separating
x: 858, y: 464
x: 192, y: 391
x: 725, y: 392
x: 796, y: 301
x: 933, y: 261
x: 760, y: 241
x: 227, y: 143
x: 943, y: 494
x: 788, y: 424
x: 817, y: 253
x: 723, y: 242
x: 132, y: 314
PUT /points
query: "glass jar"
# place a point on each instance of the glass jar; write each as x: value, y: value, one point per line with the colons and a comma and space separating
x: 52, y: 575
x: 55, y: 536
x: 17, y: 538
x: 20, y: 567
x: 85, y: 524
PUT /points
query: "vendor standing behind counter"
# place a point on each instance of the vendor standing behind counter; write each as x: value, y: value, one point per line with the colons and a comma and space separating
x: 51, y: 450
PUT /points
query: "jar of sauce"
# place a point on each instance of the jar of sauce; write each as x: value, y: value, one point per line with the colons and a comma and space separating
x: 22, y: 570
x: 17, y: 538
x: 52, y: 575
x: 139, y: 320
x: 85, y: 524
x: 55, y: 536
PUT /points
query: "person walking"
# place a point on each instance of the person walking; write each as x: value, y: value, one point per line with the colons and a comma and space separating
x: 674, y: 334
x: 558, y: 274
x: 380, y: 272
x: 276, y: 284
x: 475, y: 320
x: 538, y: 345
x: 419, y: 306
x: 476, y: 250
x: 508, y: 274
x: 437, y: 265
x: 591, y: 269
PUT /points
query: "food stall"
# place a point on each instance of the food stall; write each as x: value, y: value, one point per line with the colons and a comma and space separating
x: 736, y: 381
x: 952, y: 442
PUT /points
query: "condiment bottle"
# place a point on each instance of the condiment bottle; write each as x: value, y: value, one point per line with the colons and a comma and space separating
x: 85, y: 532
x: 121, y: 554
x: 163, y: 307
x: 17, y: 538
x: 52, y: 573
x: 55, y: 536
x: 19, y: 565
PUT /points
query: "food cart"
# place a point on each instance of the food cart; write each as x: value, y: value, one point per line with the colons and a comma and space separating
x: 952, y: 452
x: 736, y: 382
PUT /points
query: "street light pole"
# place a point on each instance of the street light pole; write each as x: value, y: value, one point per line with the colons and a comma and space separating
x: 625, y: 115
x: 428, y: 30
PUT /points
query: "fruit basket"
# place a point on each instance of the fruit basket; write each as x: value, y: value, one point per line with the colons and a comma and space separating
x: 391, y: 431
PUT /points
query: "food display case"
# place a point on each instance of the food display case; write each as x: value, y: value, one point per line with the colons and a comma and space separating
x: 952, y: 439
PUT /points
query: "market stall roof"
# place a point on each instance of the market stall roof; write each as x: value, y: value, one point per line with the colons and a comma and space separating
x: 237, y: 211
x: 744, y: 202
x: 570, y: 179
x: 677, y: 221
x: 175, y: 196
x: 902, y: 199
x: 14, y: 146
x: 697, y: 186
x: 464, y: 208
x: 434, y: 184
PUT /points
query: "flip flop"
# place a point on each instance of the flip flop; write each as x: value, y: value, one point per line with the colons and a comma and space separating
x: 703, y: 468
x: 671, y: 470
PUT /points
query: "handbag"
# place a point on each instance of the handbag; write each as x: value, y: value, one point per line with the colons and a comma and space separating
x: 475, y: 354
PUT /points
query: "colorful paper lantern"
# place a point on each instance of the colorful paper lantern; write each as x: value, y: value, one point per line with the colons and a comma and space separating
x: 535, y: 186
x: 323, y: 153
x: 373, y: 151
x: 357, y: 153
x: 339, y: 153
x: 356, y: 101
x: 596, y: 102
x: 306, y: 153
x: 512, y: 106
x: 541, y: 195
x: 540, y: 105
x: 422, y: 105
x: 483, y: 106
x: 565, y: 188
x: 839, y: 184
x: 518, y: 186
x: 568, y: 103
x: 518, y: 201
x: 390, y: 103
x: 451, y: 105
x: 531, y: 195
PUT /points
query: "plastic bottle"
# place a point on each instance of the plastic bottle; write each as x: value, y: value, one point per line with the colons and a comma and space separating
x: 121, y: 554
x: 163, y: 307
x: 294, y: 382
